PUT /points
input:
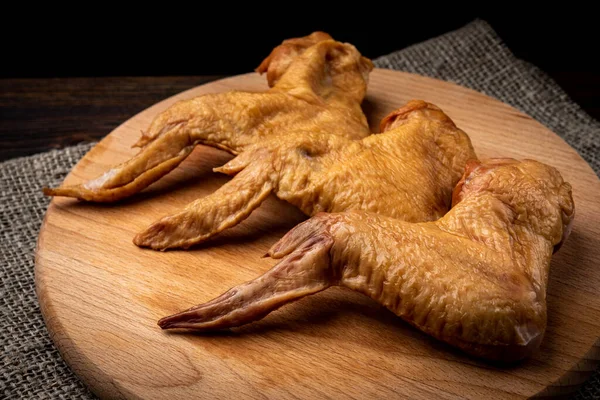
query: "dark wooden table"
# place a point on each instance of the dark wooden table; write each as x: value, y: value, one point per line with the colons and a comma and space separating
x: 42, y: 114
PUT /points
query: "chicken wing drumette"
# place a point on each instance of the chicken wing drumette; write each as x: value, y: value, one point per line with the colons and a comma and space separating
x: 476, y: 278
x: 317, y: 85
x: 406, y: 172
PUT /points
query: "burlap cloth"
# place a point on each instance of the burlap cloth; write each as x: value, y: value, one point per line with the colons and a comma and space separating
x: 473, y: 56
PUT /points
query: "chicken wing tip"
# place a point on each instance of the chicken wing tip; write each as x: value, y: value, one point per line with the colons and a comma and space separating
x: 168, y: 323
x: 60, y: 191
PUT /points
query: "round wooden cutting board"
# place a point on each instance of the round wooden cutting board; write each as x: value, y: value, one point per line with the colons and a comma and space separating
x: 101, y: 295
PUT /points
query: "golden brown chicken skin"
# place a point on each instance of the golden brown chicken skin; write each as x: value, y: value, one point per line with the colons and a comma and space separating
x: 475, y: 279
x: 317, y: 85
x: 407, y: 172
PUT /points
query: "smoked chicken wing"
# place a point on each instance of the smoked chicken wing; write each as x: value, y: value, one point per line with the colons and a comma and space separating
x: 317, y: 85
x: 476, y: 278
x: 406, y: 172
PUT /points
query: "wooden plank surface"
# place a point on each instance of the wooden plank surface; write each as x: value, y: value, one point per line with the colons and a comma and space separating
x: 101, y: 296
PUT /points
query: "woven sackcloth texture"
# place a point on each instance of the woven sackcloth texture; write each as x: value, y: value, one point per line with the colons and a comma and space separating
x: 473, y: 56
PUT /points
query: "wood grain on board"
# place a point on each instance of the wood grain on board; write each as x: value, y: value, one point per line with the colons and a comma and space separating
x: 101, y: 296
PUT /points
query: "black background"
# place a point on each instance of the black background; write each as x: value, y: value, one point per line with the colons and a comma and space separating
x: 222, y: 38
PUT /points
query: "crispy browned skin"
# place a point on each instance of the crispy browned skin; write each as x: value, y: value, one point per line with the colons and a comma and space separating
x: 407, y: 172
x: 317, y: 85
x: 476, y: 278
x: 282, y: 56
